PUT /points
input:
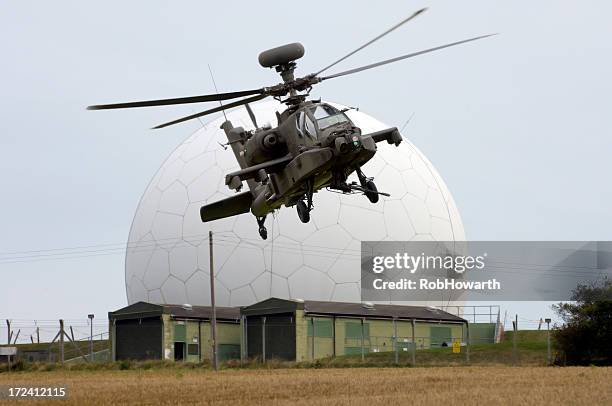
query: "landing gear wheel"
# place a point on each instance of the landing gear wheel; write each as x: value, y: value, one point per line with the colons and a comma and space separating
x: 263, y: 231
x: 372, y: 193
x: 303, y: 211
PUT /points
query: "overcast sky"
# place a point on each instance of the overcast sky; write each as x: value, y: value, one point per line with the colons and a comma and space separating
x: 517, y: 125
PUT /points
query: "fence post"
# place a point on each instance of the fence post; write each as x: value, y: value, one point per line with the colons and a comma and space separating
x: 515, y: 331
x: 243, y: 336
x: 362, y: 340
x: 91, y: 348
x: 200, y: 343
x: 334, y: 335
x: 467, y: 342
x: 263, y: 338
x: 312, y: 343
x: 395, y: 340
x: 16, y: 337
x: 413, y: 343
x: 548, y: 354
x: 61, y: 341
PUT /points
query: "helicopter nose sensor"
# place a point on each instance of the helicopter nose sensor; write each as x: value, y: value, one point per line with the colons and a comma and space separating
x: 281, y: 55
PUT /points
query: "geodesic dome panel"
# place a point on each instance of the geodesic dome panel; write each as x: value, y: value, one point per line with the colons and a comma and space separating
x: 167, y: 256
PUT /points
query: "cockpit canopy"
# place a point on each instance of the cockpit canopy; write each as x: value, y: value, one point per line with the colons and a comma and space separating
x: 318, y: 117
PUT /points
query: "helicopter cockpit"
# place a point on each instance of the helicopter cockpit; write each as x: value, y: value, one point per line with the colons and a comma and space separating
x: 327, y: 116
x: 317, y: 118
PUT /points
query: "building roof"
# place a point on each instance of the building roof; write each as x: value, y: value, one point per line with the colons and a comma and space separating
x: 204, y: 312
x: 275, y: 306
x: 144, y: 310
x: 379, y: 310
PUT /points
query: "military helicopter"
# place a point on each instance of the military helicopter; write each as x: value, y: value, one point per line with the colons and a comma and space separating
x: 314, y: 145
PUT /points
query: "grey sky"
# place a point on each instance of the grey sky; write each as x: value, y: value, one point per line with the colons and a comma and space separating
x: 517, y: 125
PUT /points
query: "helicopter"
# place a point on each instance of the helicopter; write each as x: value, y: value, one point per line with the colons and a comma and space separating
x: 314, y: 145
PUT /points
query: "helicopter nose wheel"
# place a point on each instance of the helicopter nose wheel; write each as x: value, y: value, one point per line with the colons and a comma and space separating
x: 304, y: 208
x: 263, y: 231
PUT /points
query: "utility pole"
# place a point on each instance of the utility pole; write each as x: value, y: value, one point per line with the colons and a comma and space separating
x: 8, y: 332
x: 549, y: 356
x: 91, y: 355
x: 213, y: 319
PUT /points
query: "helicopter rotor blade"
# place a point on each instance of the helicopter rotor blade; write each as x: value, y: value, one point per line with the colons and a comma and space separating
x: 251, y: 114
x: 399, y: 58
x: 180, y: 100
x: 413, y: 15
x: 214, y: 110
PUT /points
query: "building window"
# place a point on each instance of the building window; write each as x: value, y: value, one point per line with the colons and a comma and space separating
x: 352, y: 329
x: 440, y: 336
x: 323, y: 328
x: 193, y: 349
x: 179, y: 332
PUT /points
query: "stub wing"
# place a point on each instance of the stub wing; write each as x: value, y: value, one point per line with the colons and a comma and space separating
x: 231, y: 206
x: 391, y: 135
x: 234, y: 179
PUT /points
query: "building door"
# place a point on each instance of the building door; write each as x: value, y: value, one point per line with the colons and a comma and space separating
x: 179, y: 351
x: 280, y: 337
x: 138, y: 339
x: 279, y: 333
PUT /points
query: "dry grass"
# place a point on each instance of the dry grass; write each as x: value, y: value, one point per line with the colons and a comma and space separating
x: 349, y: 386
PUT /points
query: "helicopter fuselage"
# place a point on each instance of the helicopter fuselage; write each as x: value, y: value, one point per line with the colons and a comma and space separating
x: 315, y: 146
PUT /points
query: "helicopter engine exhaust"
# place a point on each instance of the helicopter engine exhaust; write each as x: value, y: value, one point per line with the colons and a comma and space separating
x: 264, y: 146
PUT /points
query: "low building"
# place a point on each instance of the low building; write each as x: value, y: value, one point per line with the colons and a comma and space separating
x: 279, y: 329
x: 307, y: 330
x: 175, y: 332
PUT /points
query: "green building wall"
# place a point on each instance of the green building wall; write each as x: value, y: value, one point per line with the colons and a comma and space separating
x: 331, y: 336
x: 343, y: 335
x: 198, y: 334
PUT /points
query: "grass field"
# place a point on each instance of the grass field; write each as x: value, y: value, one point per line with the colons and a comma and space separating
x: 329, y: 386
